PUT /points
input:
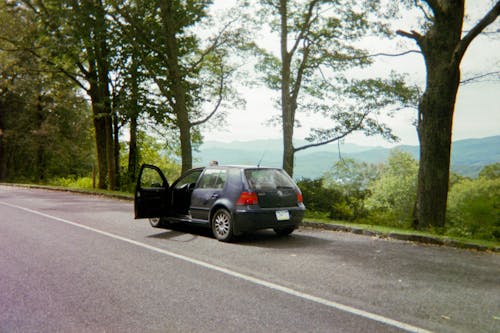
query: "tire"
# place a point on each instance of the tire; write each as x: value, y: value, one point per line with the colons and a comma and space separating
x: 222, y: 225
x: 158, y: 222
x: 284, y: 231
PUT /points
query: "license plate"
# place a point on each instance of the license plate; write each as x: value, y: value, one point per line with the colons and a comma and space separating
x: 282, y: 215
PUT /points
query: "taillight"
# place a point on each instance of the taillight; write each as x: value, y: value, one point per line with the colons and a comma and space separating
x: 300, y: 199
x: 248, y: 198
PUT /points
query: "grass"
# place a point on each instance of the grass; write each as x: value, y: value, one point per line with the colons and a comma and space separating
x: 387, y: 230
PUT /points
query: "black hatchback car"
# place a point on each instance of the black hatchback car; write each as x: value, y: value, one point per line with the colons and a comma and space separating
x: 231, y: 200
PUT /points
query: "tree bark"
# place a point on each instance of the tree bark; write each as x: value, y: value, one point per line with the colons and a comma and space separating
x: 176, y: 82
x: 435, y: 134
x: 99, y: 119
x: 2, y: 144
x: 132, y: 153
x: 116, y: 149
x: 287, y: 111
x: 100, y: 140
x: 40, y: 151
x: 436, y: 109
x: 102, y: 62
x: 133, y: 157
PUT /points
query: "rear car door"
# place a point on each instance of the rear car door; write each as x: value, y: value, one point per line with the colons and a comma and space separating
x: 209, y: 189
x: 151, y: 193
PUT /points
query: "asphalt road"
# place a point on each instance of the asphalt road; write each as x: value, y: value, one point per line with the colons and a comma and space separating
x: 77, y: 263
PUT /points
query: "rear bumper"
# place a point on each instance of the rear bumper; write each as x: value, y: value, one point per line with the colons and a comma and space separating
x: 248, y: 219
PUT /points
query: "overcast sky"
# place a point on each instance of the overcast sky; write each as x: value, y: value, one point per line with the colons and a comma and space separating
x: 477, y: 111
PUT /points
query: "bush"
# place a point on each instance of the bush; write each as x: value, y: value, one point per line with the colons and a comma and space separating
x: 318, y: 198
x: 72, y: 181
x: 351, y: 179
x: 474, y: 209
x: 393, y: 194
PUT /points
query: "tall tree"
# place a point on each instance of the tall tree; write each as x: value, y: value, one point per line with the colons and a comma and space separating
x: 73, y: 39
x: 193, y: 75
x: 443, y: 44
x: 44, y: 123
x: 317, y: 47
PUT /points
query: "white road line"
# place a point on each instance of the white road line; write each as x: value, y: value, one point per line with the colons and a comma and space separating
x: 257, y: 281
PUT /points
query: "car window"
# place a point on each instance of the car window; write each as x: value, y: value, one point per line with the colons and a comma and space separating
x: 150, y: 178
x: 268, y: 179
x: 190, y: 178
x: 213, y: 178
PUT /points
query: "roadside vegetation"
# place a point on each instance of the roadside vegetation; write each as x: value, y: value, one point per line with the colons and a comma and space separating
x: 384, y: 195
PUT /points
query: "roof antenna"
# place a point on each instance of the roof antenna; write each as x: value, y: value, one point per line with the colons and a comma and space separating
x: 260, y: 161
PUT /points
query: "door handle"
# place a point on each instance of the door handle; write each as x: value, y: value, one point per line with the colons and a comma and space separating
x: 215, y: 196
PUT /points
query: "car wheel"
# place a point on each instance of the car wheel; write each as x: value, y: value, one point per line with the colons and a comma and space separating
x: 158, y: 222
x: 284, y: 231
x: 222, y: 225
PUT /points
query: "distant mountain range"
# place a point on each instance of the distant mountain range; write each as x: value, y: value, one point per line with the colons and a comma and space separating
x: 469, y: 156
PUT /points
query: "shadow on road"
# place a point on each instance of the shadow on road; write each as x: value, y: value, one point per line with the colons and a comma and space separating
x: 269, y: 239
x: 178, y: 233
x: 262, y: 238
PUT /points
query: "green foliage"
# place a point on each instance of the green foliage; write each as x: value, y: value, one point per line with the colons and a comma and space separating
x: 491, y: 171
x: 393, y: 194
x: 73, y: 182
x: 317, y: 197
x: 474, y: 207
x: 45, y: 124
x: 385, y: 195
x: 151, y: 151
x: 351, y: 179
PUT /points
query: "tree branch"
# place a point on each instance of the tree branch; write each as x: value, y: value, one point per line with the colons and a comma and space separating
x: 305, y: 28
x: 217, y: 104
x: 300, y: 72
x: 213, y: 46
x: 489, y: 18
x: 322, y: 143
x: 423, y: 10
x: 477, y: 77
x: 343, y: 135
x: 412, y: 35
x: 382, y: 54
x: 60, y: 69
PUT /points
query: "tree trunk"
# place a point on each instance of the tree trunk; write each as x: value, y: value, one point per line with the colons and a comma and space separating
x: 287, y: 111
x: 435, y: 135
x: 443, y: 48
x: 133, y: 156
x: 40, y: 154
x: 102, y: 65
x: 2, y: 144
x: 99, y: 117
x: 132, y: 150
x: 185, y: 136
x: 176, y: 82
x: 100, y: 140
x: 435, y: 121
x: 116, y: 150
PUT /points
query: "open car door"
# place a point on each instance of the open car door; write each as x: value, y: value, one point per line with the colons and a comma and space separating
x: 150, y: 199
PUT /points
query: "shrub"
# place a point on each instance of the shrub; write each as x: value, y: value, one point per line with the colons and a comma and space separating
x: 474, y: 209
x: 351, y: 179
x: 317, y: 197
x: 393, y: 194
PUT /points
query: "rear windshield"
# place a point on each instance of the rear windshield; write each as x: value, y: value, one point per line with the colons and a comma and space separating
x: 268, y: 179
